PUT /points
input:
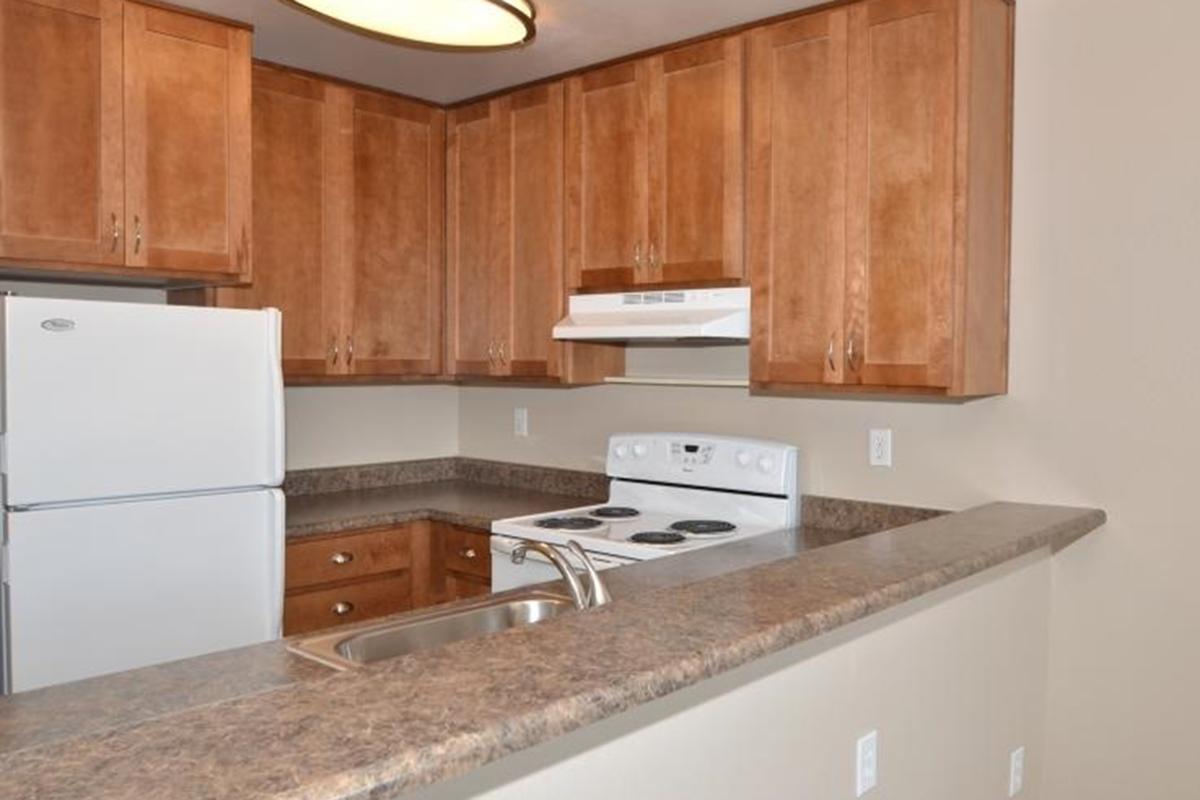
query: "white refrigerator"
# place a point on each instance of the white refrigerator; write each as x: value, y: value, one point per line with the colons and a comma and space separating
x: 141, y: 451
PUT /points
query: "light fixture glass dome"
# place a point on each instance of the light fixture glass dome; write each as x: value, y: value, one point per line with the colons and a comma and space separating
x: 443, y: 24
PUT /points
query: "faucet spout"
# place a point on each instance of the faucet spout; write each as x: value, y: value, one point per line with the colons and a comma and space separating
x: 598, y: 594
x: 574, y: 584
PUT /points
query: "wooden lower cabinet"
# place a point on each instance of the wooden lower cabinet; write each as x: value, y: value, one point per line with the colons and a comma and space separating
x: 359, y: 575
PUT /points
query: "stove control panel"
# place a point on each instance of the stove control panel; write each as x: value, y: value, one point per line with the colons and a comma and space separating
x: 702, y: 460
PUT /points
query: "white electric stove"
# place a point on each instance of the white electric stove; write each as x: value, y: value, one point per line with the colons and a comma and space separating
x: 668, y: 493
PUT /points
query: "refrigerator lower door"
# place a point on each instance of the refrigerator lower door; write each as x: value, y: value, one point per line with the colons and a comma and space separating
x: 103, y: 588
x: 112, y: 400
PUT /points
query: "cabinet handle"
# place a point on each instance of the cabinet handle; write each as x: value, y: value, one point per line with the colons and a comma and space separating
x: 492, y: 353
x: 467, y: 552
x: 342, y: 608
x: 637, y: 255
x: 829, y: 353
x: 333, y: 349
x: 116, y: 232
x: 342, y: 557
x: 349, y: 351
x: 503, y: 353
x: 653, y: 257
x: 137, y: 233
x: 850, y: 356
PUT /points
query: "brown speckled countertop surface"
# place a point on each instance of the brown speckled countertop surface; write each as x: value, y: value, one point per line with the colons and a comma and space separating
x: 376, y: 731
x: 458, y: 501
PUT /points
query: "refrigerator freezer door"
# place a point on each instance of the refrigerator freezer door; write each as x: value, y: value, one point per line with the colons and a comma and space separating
x: 107, y: 400
x: 98, y: 589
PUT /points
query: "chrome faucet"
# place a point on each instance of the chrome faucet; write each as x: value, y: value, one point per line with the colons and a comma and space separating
x: 595, y: 595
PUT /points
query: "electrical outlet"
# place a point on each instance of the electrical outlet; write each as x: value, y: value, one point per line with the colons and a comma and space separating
x: 866, y: 772
x: 1016, y: 771
x: 521, y: 422
x: 880, y: 447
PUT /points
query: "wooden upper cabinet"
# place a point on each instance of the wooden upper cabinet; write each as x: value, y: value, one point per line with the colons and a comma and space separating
x: 900, y: 324
x: 607, y: 176
x: 696, y: 158
x: 297, y: 238
x: 395, y: 274
x: 474, y: 239
x: 879, y: 196
x: 62, y: 194
x: 505, y: 211
x: 534, y: 278
x: 654, y: 169
x: 796, y: 197
x: 187, y: 142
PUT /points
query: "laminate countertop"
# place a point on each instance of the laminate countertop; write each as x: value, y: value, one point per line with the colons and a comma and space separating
x: 460, y: 502
x: 380, y: 730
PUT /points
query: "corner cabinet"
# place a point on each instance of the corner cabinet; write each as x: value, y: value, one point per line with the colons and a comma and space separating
x: 505, y: 273
x: 124, y: 141
x: 348, y: 203
x: 878, y: 197
x: 654, y: 175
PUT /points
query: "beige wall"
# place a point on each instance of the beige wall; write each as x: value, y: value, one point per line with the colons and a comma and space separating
x: 333, y: 426
x: 1103, y: 408
x: 953, y: 683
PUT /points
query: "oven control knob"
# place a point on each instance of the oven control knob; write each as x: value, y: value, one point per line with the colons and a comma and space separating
x: 639, y: 450
x: 766, y: 464
x: 621, y: 450
x: 743, y: 458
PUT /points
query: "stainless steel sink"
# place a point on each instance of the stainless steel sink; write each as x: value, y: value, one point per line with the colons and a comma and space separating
x: 415, y: 632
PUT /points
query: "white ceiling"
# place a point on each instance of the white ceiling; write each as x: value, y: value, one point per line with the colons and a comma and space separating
x: 571, y: 33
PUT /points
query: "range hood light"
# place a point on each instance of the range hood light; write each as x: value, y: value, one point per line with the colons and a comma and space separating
x: 436, y: 24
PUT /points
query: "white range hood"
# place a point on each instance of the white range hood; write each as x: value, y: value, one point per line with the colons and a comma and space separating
x: 712, y: 314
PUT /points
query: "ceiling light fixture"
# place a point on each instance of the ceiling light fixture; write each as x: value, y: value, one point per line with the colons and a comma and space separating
x: 436, y: 24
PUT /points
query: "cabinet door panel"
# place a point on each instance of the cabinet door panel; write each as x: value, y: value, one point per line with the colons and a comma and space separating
x: 396, y: 266
x: 475, y: 184
x: 296, y: 231
x: 797, y: 198
x: 187, y: 101
x: 534, y: 284
x: 607, y: 176
x: 61, y: 131
x: 902, y: 192
x: 696, y: 157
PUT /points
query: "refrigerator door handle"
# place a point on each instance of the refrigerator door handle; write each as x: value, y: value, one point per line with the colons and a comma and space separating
x: 274, y: 322
x: 277, y: 528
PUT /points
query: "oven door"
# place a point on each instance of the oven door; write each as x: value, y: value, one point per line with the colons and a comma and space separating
x: 536, y: 568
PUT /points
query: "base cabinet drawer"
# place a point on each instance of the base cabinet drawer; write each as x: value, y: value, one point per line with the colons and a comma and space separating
x: 466, y: 551
x: 347, y: 556
x: 328, y: 606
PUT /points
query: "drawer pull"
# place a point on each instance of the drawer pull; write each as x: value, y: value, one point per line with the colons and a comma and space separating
x: 342, y: 608
x: 467, y: 552
x: 342, y: 558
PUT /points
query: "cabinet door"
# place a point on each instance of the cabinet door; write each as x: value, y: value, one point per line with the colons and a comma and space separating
x: 297, y: 224
x: 533, y: 207
x: 61, y: 153
x: 901, y: 195
x: 187, y: 142
x: 696, y: 157
x: 395, y: 270
x: 476, y: 181
x: 796, y: 205
x: 607, y: 180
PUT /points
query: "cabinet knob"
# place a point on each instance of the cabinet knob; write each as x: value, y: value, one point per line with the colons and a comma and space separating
x: 333, y: 349
x: 116, y: 232
x: 850, y: 354
x: 342, y: 608
x: 137, y: 233
x: 342, y: 557
x: 637, y: 255
x: 467, y: 552
x: 349, y: 351
x: 829, y: 353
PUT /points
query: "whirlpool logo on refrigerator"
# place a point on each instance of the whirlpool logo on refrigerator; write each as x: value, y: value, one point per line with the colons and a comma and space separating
x: 58, y: 325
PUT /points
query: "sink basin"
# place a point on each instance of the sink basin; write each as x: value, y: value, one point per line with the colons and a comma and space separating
x: 410, y: 634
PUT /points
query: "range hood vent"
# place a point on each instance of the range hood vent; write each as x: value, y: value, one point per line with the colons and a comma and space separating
x: 705, y: 314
